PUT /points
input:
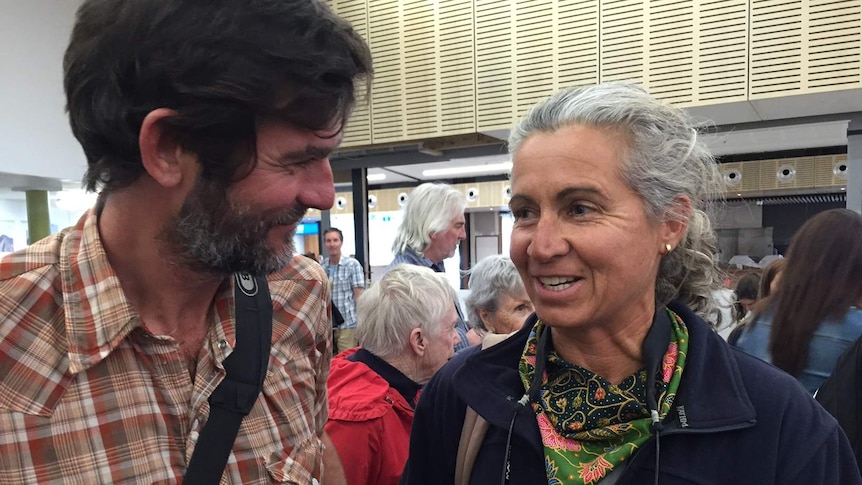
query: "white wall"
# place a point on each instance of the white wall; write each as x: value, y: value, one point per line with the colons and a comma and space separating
x: 13, y: 220
x: 35, y: 138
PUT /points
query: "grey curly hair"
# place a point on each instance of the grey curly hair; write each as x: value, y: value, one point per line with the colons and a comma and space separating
x: 493, y: 277
x: 664, y: 160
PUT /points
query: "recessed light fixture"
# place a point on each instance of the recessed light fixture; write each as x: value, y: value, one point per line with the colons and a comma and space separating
x: 375, y: 177
x: 491, y: 167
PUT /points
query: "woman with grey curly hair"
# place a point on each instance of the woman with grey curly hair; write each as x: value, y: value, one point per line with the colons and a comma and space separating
x: 617, y: 377
x: 498, y: 302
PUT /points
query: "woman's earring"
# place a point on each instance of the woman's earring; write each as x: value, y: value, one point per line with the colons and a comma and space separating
x: 667, y: 249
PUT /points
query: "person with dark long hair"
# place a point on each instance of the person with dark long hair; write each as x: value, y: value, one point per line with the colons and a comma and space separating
x: 769, y: 279
x: 766, y: 286
x: 814, y: 315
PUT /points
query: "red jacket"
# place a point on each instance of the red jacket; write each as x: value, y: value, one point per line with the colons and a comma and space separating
x: 369, y: 423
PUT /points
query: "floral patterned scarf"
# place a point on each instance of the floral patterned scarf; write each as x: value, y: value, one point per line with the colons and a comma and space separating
x: 588, y: 425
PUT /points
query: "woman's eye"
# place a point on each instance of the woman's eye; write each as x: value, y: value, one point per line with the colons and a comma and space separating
x: 581, y: 209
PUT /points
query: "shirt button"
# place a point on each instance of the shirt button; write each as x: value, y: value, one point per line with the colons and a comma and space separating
x: 222, y: 344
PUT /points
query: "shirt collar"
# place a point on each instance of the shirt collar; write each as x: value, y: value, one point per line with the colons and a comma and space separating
x: 99, y: 316
x: 421, y: 259
x: 394, y: 377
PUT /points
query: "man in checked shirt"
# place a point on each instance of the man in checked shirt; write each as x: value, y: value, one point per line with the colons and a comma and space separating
x: 207, y: 128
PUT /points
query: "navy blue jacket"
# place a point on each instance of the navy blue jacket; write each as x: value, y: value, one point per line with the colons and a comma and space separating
x: 735, y: 420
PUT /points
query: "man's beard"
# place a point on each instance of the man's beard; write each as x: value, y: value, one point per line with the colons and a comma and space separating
x: 211, y: 235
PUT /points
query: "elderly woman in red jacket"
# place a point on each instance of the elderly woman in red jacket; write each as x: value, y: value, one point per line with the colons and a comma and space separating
x: 406, y: 332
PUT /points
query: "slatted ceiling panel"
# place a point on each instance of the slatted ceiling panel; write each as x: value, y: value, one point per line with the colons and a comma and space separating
x: 623, y: 47
x: 824, y: 171
x: 750, y: 176
x: 420, y: 68
x: 762, y: 175
x: 834, y: 43
x: 387, y: 199
x: 358, y: 130
x: 425, y: 83
x: 804, y: 178
x: 804, y: 172
x: 776, y: 46
x: 767, y: 169
x: 578, y: 42
x: 722, y: 60
x: 671, y: 50
x: 495, y: 83
x: 388, y: 99
x: 726, y: 168
x: 534, y: 53
x: 457, y: 73
x: 492, y: 194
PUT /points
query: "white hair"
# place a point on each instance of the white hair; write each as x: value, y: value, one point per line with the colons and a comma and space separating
x: 430, y: 209
x: 407, y: 297
x: 491, y: 278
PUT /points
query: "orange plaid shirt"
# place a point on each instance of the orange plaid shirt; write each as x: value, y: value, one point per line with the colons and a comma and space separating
x: 88, y: 396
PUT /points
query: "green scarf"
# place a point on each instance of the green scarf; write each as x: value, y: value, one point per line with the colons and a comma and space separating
x: 588, y: 425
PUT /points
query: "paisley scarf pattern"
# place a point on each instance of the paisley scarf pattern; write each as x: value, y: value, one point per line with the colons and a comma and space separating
x: 588, y: 425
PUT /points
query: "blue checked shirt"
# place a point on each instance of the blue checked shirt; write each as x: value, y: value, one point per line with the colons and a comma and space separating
x: 345, y: 276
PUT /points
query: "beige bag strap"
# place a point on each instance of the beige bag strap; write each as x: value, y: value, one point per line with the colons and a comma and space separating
x: 474, y: 429
x: 472, y: 435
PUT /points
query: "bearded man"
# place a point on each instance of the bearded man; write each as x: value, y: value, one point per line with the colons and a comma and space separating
x: 207, y: 128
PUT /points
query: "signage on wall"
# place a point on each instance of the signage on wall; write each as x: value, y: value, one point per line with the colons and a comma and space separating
x: 307, y: 228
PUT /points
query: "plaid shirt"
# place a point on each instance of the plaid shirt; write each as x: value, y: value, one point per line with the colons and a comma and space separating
x: 345, y: 276
x: 88, y: 396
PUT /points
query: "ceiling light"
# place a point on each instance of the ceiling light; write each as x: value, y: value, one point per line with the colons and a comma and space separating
x: 488, y: 168
x: 376, y: 177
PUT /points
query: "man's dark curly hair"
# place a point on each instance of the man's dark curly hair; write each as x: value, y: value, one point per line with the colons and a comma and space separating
x: 222, y: 65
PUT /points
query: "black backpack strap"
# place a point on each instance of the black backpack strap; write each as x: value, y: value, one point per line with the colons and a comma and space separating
x: 246, y: 369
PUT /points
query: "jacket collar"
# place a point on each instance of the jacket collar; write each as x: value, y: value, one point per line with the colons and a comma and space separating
x: 711, y: 394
